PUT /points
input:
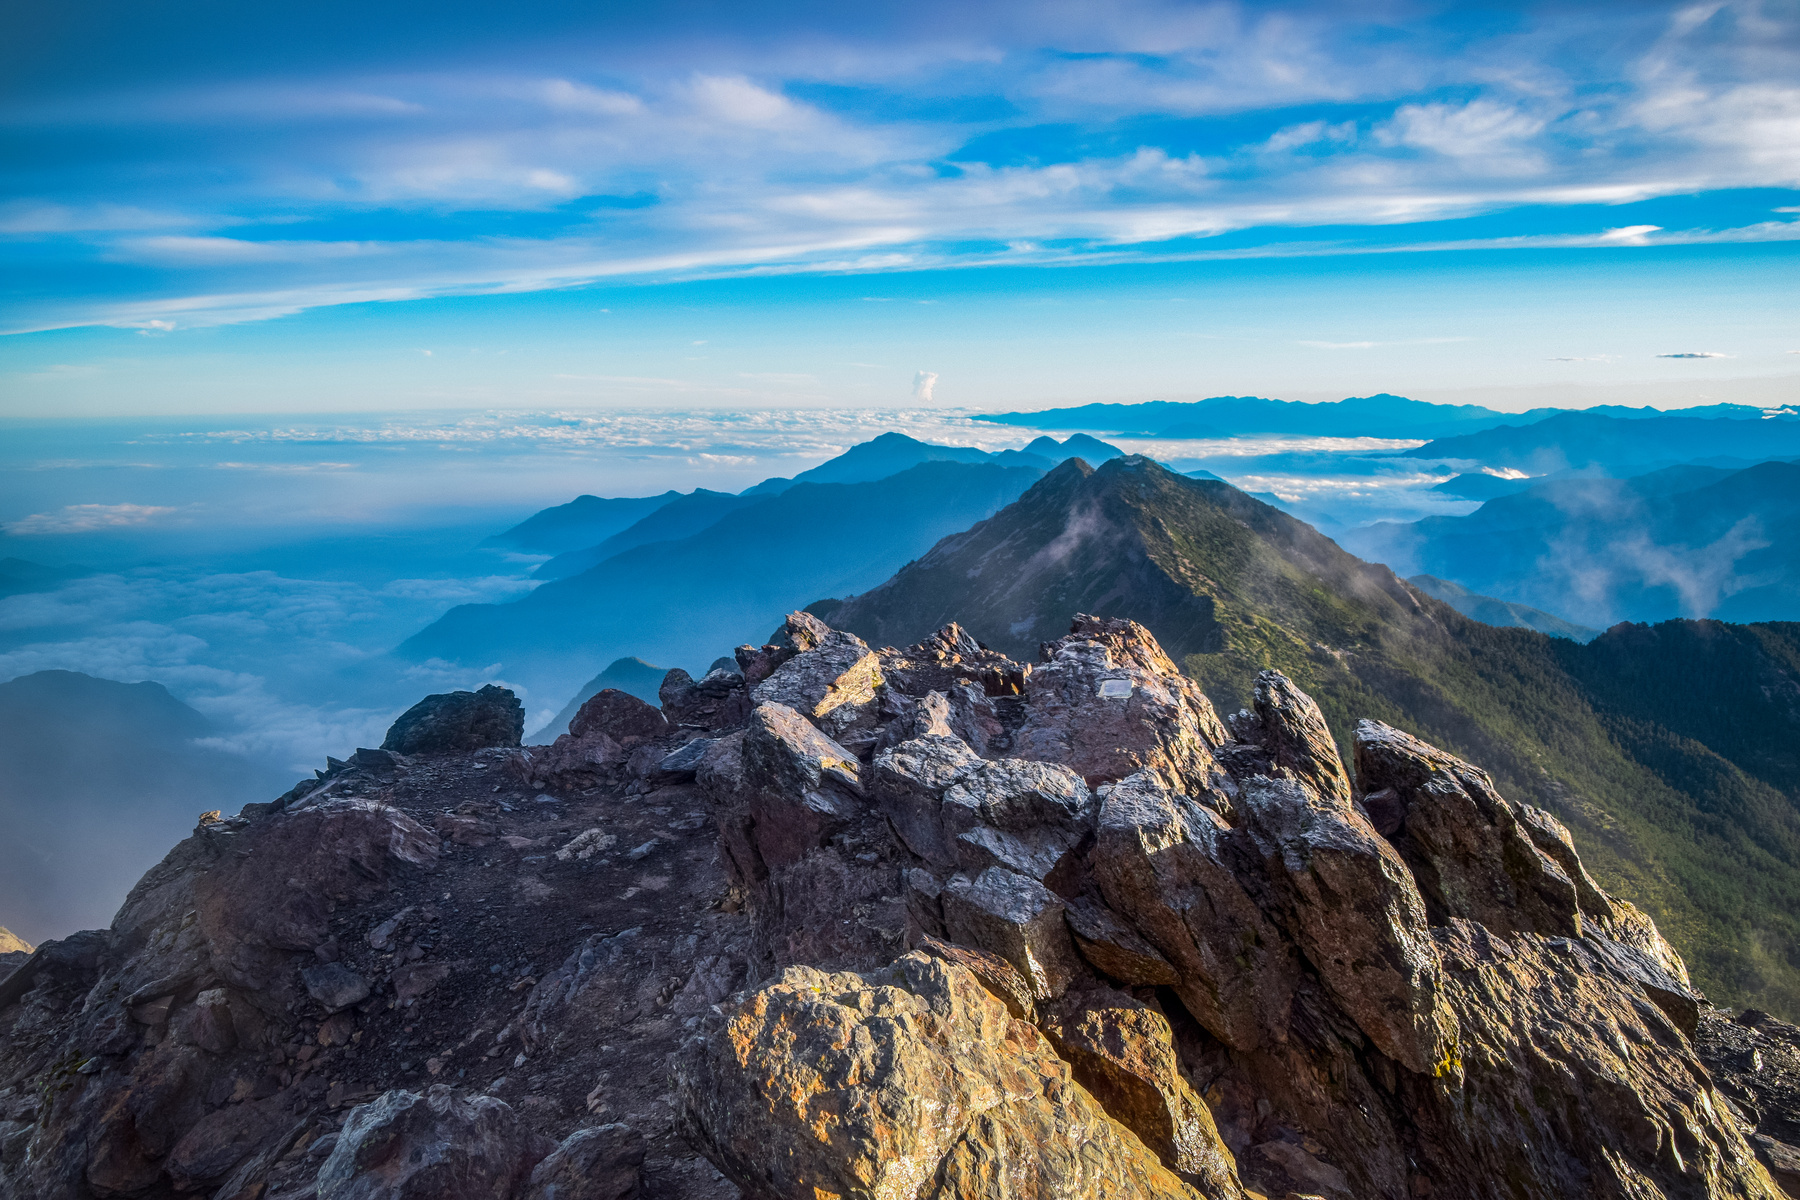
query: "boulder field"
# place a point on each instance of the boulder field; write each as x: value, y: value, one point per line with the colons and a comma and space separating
x: 920, y: 924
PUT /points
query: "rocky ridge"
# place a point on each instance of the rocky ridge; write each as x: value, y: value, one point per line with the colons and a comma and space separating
x: 857, y: 922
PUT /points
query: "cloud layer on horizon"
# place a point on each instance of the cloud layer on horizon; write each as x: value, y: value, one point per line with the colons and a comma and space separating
x: 209, y: 168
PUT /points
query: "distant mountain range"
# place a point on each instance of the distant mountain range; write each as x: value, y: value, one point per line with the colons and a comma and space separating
x: 1382, y: 416
x: 692, y: 598
x: 1619, y: 445
x: 1684, y: 541
x: 678, y: 516
x: 1669, y: 749
x: 100, y: 779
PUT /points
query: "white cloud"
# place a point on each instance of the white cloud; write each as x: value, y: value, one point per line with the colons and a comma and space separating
x: 1482, y: 129
x: 85, y: 518
x: 1695, y: 354
x: 924, y: 383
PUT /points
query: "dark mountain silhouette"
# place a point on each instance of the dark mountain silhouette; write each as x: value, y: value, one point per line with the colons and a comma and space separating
x: 1619, y: 445
x: 583, y: 521
x: 1686, y: 541
x: 100, y: 779
x: 1682, y: 814
x: 692, y: 599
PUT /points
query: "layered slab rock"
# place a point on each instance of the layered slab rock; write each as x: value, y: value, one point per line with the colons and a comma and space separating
x: 833, y: 682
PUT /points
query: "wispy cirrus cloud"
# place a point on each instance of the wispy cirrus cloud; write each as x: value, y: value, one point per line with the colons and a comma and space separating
x: 891, y: 139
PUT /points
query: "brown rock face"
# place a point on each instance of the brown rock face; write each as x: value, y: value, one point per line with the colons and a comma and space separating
x: 1464, y: 843
x: 1107, y: 702
x: 619, y: 716
x: 919, y: 1084
x: 1169, y: 869
x: 1123, y: 1053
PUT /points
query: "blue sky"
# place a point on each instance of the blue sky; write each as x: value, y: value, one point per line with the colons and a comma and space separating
x: 210, y: 207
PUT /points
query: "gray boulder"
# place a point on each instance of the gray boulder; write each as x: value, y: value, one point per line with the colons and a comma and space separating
x: 602, y: 1163
x: 442, y: 1145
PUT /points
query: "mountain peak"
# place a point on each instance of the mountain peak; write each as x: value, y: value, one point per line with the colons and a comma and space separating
x: 1192, y: 559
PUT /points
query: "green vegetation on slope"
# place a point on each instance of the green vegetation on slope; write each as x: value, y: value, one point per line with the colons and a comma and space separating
x: 1671, y: 760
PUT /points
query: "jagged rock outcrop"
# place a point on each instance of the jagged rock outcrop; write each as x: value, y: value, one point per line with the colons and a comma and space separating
x: 717, y: 700
x: 458, y: 723
x: 1107, y: 702
x: 1039, y: 932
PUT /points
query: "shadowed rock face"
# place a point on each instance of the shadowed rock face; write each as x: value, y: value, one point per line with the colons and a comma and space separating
x: 1025, y: 930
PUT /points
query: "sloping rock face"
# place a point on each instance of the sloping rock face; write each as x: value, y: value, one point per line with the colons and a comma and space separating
x: 896, y: 924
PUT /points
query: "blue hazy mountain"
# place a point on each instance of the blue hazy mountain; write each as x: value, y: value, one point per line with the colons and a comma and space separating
x: 1090, y: 449
x: 1479, y: 485
x: 879, y: 458
x: 1690, y: 541
x: 101, y: 778
x: 691, y: 599
x: 632, y: 675
x: 681, y: 517
x: 1619, y: 445
x: 583, y: 521
x: 1500, y: 613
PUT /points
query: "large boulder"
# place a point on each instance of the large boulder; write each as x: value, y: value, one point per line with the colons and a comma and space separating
x: 601, y: 1163
x: 1107, y: 702
x: 458, y: 723
x: 908, y: 784
x: 618, y: 715
x: 442, y: 1145
x: 718, y: 700
x: 917, y: 1084
x: 1019, y: 919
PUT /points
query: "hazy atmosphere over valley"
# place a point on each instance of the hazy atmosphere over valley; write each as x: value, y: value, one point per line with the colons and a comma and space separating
x: 1265, y: 368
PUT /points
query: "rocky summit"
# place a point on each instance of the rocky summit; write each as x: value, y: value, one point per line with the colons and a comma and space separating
x: 895, y: 924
